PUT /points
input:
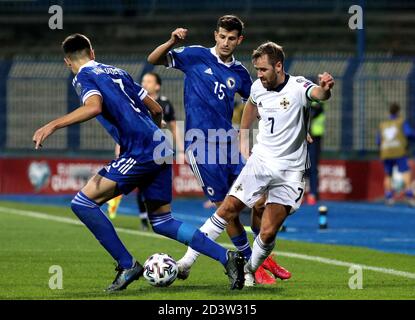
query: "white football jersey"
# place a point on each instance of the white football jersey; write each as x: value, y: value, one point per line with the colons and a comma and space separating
x: 283, y: 124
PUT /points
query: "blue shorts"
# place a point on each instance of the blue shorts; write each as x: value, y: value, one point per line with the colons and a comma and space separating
x: 402, y: 164
x: 153, y: 180
x: 216, y: 177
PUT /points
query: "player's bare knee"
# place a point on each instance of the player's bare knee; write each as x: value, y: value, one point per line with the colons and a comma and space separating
x: 260, y: 204
x: 268, y: 237
x: 236, y: 221
x: 157, y: 207
x: 268, y: 234
x: 228, y: 210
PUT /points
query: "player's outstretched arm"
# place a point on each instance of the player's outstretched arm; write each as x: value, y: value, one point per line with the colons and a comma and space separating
x: 323, y: 91
x: 158, y: 56
x: 249, y: 115
x: 91, y: 108
x: 155, y: 109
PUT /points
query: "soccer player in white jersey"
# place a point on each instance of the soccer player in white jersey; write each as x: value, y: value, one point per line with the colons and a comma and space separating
x: 213, y: 77
x: 278, y: 161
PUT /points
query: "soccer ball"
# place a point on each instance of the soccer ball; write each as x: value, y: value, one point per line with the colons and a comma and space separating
x: 160, y: 270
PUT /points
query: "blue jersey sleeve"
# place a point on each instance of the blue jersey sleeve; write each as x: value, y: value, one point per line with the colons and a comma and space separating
x: 142, y: 93
x: 86, y: 86
x: 182, y: 58
x: 245, y: 89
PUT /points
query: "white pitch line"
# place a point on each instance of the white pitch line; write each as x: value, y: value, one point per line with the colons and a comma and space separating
x: 40, y: 215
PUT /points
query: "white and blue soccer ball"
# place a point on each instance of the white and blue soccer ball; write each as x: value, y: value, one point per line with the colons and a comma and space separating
x: 160, y: 270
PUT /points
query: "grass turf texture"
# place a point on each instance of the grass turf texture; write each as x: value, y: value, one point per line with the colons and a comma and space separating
x: 29, y: 246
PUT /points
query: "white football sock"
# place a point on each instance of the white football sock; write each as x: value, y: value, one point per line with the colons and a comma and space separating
x: 213, y: 227
x: 260, y: 252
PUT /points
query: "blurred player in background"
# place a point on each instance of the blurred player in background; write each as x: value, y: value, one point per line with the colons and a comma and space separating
x: 213, y: 77
x: 121, y: 106
x: 279, y: 159
x: 393, y: 141
x: 317, y: 128
x: 151, y: 82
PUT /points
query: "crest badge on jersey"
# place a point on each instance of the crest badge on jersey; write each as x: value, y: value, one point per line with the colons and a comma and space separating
x: 238, y: 187
x: 210, y: 191
x: 285, y: 103
x: 230, y: 82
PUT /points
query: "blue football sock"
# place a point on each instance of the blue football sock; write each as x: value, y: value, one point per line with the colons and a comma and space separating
x: 91, y: 215
x: 255, y: 231
x: 242, y: 244
x: 187, y: 234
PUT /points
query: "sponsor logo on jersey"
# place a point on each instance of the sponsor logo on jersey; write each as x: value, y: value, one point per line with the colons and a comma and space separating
x: 179, y: 49
x: 209, y: 71
x: 300, y: 80
x: 308, y: 83
x: 230, y: 82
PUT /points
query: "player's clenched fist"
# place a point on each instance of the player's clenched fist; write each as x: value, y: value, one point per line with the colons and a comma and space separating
x: 326, y: 81
x: 178, y: 35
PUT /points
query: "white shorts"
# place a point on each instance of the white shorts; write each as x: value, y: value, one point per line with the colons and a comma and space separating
x: 259, y: 177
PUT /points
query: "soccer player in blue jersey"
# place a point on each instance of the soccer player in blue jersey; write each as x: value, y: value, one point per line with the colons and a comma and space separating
x: 122, y: 106
x: 213, y: 77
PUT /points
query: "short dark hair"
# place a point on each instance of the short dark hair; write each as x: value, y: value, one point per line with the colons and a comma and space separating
x: 76, y: 45
x: 156, y: 76
x: 230, y: 23
x: 274, y: 52
x: 394, y: 109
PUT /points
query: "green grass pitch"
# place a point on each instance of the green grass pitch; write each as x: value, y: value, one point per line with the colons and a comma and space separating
x: 29, y: 246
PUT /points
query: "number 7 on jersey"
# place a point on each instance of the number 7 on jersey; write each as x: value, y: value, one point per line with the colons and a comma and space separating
x: 272, y: 119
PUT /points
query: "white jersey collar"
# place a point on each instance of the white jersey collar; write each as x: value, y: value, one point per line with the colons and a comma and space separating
x: 90, y: 63
x: 281, y: 85
x: 228, y: 64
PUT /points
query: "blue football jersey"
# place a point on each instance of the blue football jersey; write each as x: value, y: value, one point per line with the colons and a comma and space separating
x: 124, y: 115
x: 209, y: 87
